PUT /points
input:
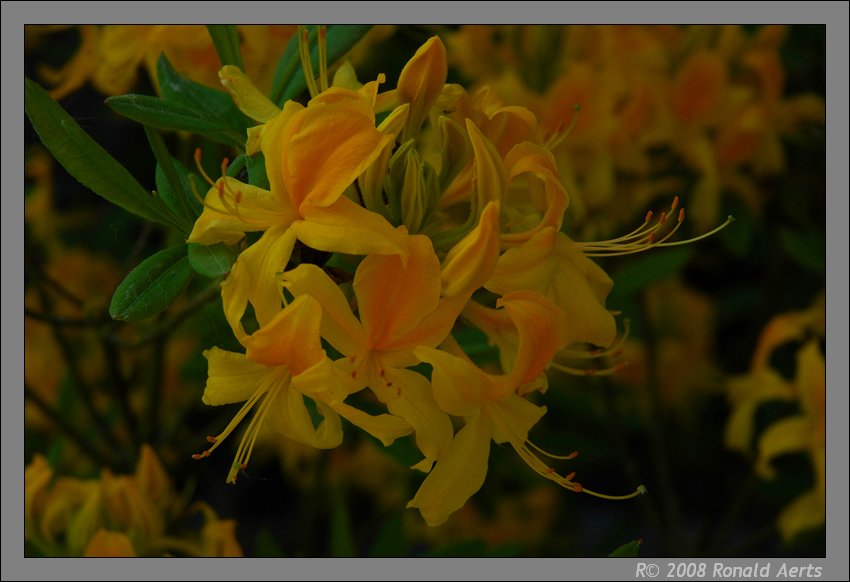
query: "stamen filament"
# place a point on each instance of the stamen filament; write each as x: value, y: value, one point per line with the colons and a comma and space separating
x: 323, y: 57
x: 306, y: 61
x: 641, y: 490
x: 559, y: 136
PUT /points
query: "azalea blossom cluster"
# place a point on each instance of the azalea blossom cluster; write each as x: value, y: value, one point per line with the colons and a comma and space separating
x: 118, y: 515
x: 450, y: 206
x: 654, y: 100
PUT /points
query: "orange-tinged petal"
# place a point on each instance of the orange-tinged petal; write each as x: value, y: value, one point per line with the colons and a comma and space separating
x: 274, y: 136
x: 699, y: 87
x: 232, y: 208
x: 457, y: 475
x: 325, y: 148
x: 469, y: 264
x: 408, y: 395
x: 529, y: 158
x: 109, y: 544
x: 291, y: 338
x: 232, y: 377
x: 255, y: 278
x: 339, y: 325
x: 347, y: 227
x: 394, y: 295
x: 540, y: 336
x: 152, y: 478
x: 246, y: 96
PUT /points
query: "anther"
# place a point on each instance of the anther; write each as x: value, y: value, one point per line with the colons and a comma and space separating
x: 648, y: 216
x: 211, y: 439
x: 681, y: 215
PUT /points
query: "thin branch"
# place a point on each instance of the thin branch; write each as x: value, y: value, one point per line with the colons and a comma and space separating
x: 70, y: 430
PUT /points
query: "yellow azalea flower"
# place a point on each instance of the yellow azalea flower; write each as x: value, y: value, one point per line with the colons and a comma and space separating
x: 313, y: 154
x: 554, y: 266
x: 110, y: 56
x: 402, y: 305
x: 803, y: 432
x: 490, y: 407
x: 285, y: 363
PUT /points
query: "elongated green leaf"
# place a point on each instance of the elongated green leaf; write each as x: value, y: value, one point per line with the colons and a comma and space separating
x: 162, y: 114
x: 85, y: 160
x: 212, y: 103
x: 168, y: 184
x: 212, y: 261
x: 225, y: 38
x: 627, y: 550
x: 340, y: 38
x: 152, y: 286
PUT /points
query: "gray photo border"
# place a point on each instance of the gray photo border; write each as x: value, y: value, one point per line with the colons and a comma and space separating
x: 15, y: 14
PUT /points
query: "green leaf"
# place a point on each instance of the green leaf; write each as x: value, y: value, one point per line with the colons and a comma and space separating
x: 214, y: 104
x: 171, y: 189
x: 628, y: 550
x: 212, y: 261
x: 225, y: 37
x: 808, y: 248
x: 85, y: 160
x: 342, y: 538
x: 340, y: 39
x: 162, y: 114
x: 640, y: 272
x: 152, y: 286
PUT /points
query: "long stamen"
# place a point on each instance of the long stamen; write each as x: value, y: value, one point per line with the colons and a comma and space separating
x: 246, y: 445
x: 323, y: 57
x: 306, y: 61
x: 646, y: 237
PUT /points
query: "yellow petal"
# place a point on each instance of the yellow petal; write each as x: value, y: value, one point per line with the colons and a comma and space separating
x: 457, y: 475
x: 581, y: 287
x: 491, y: 181
x: 274, y: 136
x: 246, y: 96
x: 347, y: 227
x: 531, y: 266
x: 460, y: 387
x: 421, y: 81
x: 804, y: 513
x: 232, y: 377
x: 290, y: 417
x: 513, y: 418
x: 255, y: 278
x: 789, y: 435
x: 810, y: 383
x: 109, y: 544
x: 152, y: 478
x: 469, y: 264
x: 408, y: 395
x: 232, y: 208
x: 393, y: 294
x: 384, y: 427
x: 339, y: 325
